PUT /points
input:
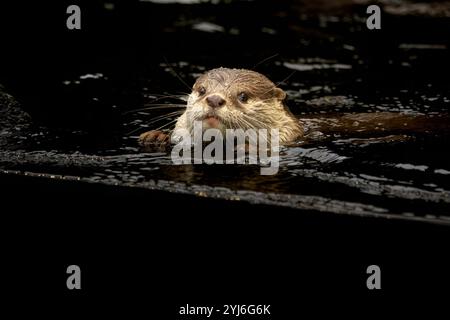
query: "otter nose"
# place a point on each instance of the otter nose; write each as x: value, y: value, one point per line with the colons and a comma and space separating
x: 215, y: 101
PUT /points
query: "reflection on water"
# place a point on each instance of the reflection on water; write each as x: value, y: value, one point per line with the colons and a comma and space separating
x: 387, y: 179
x: 401, y: 174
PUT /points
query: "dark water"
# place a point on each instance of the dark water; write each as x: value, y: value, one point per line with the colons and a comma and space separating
x: 86, y: 118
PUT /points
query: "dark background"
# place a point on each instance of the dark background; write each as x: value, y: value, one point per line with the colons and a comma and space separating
x: 139, y: 258
x: 132, y: 41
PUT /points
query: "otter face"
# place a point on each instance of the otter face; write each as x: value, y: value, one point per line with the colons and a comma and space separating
x: 235, y: 98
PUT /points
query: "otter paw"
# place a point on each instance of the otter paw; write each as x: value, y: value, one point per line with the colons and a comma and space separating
x: 153, y: 137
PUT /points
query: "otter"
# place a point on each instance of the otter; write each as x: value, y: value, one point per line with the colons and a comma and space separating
x: 226, y: 98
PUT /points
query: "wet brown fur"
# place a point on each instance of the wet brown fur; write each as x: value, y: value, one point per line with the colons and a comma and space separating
x: 264, y: 108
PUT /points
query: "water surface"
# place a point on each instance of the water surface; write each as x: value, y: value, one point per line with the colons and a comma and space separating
x: 327, y: 63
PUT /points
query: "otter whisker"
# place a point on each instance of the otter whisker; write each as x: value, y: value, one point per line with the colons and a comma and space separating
x: 262, y: 124
x: 164, y: 104
x: 156, y: 106
x: 165, y: 116
x: 177, y: 97
x: 157, y: 119
x: 167, y: 124
x: 265, y: 60
x: 246, y: 124
x: 285, y: 79
x: 243, y: 119
x: 166, y: 96
x: 168, y: 106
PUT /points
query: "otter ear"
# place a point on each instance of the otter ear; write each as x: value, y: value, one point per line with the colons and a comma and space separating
x: 279, y: 94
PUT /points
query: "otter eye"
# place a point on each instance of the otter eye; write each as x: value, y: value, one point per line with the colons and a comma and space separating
x: 201, y: 91
x: 243, y: 97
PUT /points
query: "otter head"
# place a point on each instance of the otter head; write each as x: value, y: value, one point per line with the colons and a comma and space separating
x: 235, y: 99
